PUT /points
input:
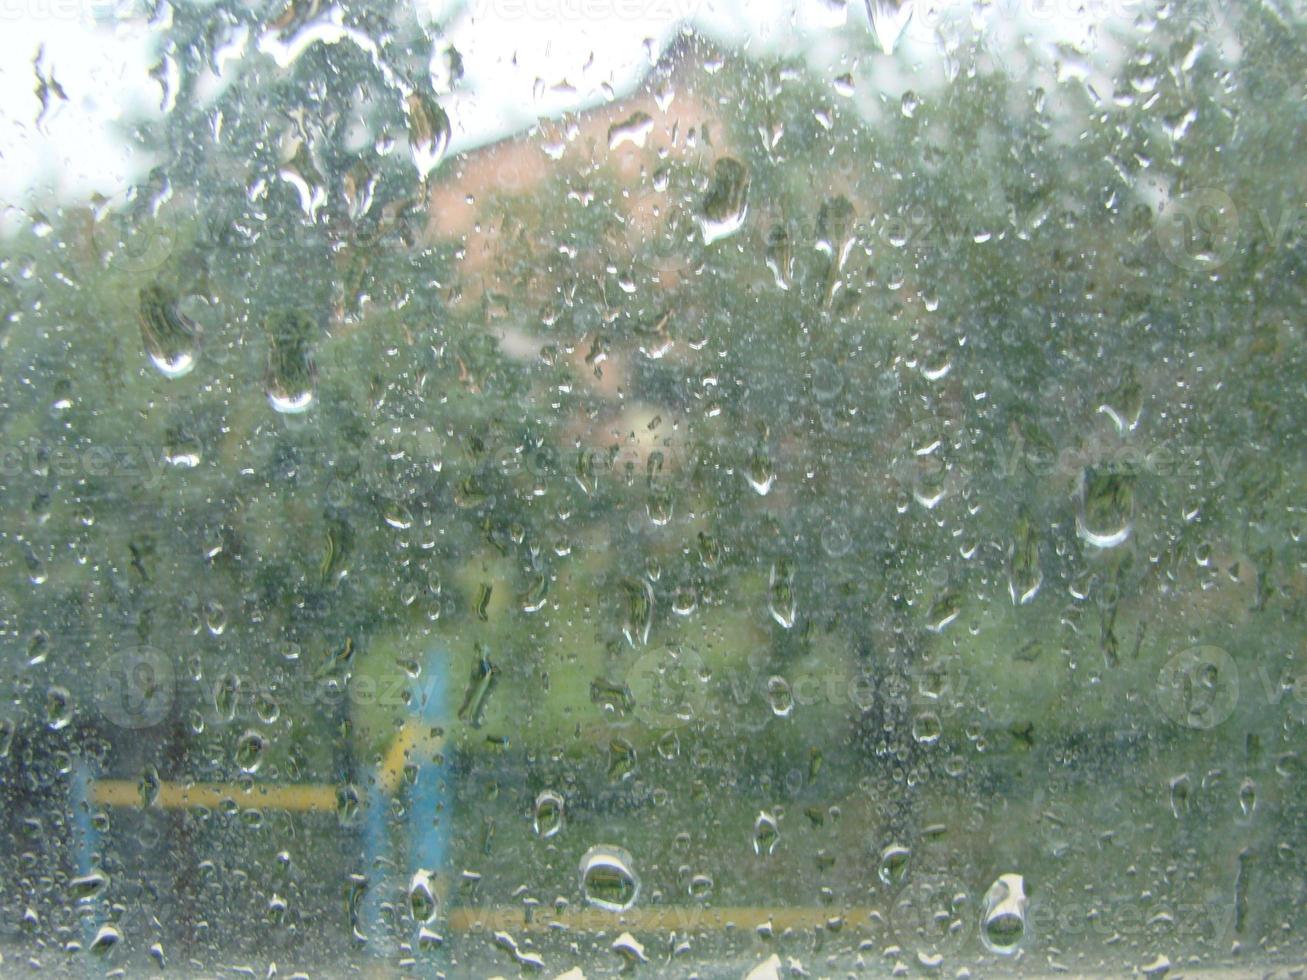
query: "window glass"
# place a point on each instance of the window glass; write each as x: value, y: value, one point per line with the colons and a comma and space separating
x: 674, y: 488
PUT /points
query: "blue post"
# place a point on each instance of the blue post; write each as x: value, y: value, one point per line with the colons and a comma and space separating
x: 429, y: 810
x: 377, y: 862
x: 86, y: 840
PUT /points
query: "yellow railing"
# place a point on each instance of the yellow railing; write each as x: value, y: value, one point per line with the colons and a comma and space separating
x: 300, y: 797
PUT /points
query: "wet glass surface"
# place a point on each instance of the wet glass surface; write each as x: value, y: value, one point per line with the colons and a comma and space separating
x: 653, y: 489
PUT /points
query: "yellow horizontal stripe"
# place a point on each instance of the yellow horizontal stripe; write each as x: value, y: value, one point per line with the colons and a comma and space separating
x: 172, y: 795
x: 683, y: 918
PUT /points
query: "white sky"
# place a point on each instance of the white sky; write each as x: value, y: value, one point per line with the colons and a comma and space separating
x: 584, y: 52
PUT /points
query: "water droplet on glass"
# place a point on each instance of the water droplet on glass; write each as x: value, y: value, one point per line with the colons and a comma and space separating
x: 1247, y: 797
x: 660, y: 506
x: 547, y: 818
x: 685, y: 600
x: 106, y: 938
x: 929, y: 482
x: 58, y: 708
x: 836, y: 221
x: 639, y: 596
x: 608, y: 878
x: 397, y: 515
x: 537, y: 592
x: 267, y: 707
x: 1003, y: 915
x: 38, y: 647
x: 480, y: 684
x: 632, y: 130
x: 300, y: 172
x: 1125, y: 403
x: 758, y: 472
x: 1106, y: 511
x: 358, y: 187
x: 171, y: 339
x: 181, y: 449
x: 766, y: 834
x: 621, y: 760
x: 348, y: 805
x: 215, y: 618
x: 1024, y: 573
x: 945, y: 610
x: 780, y: 256
x: 936, y: 363
x: 226, y: 696
x: 422, y: 904
x: 147, y: 788
x: 428, y: 132
x: 86, y: 887
x: 1158, y: 966
x: 726, y: 203
x: 781, y: 602
x: 629, y: 949
x: 780, y: 696
x: 291, y: 371
x: 926, y: 728
x: 1179, y: 787
x: 889, y: 19
x: 250, y: 750
x: 893, y: 866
